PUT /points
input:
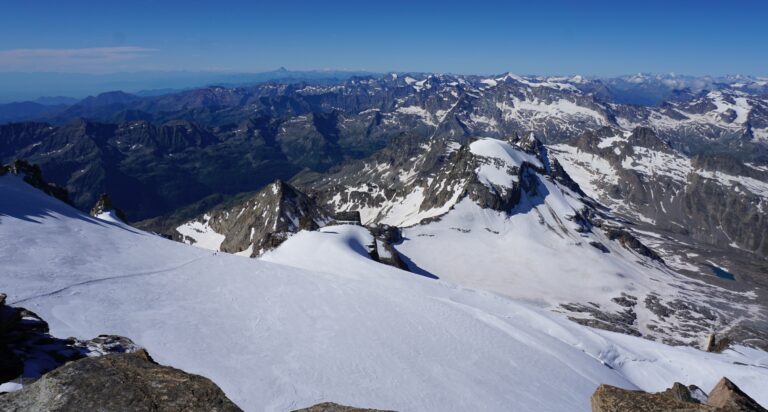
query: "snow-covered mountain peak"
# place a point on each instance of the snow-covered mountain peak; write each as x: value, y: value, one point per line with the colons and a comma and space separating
x: 504, y: 152
x: 500, y: 163
x: 555, y: 83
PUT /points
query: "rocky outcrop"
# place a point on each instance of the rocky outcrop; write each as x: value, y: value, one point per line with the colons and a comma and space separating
x: 646, y: 137
x: 118, y: 382
x: 259, y: 222
x: 612, y: 399
x: 29, y: 351
x: 107, y: 373
x: 32, y: 174
x: 626, y: 239
x: 352, y: 217
x: 334, y: 407
x: 24, y: 340
x: 104, y: 205
x: 383, y: 250
x: 620, y: 321
x: 717, y: 343
x: 724, y: 397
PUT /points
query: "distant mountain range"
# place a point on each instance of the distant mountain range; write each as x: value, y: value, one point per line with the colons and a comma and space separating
x: 16, y: 87
x: 156, y: 154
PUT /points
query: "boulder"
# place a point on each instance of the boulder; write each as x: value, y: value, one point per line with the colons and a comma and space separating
x: 724, y: 397
x: 118, y: 382
x: 612, y: 399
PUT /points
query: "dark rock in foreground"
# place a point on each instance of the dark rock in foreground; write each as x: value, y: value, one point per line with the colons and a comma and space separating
x: 106, y: 373
x: 724, y: 397
x: 118, y: 382
x: 27, y: 350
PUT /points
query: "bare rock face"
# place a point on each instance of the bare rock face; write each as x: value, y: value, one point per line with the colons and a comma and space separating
x: 724, y: 397
x: 612, y: 399
x: 383, y: 251
x: 334, y: 407
x: 682, y: 193
x: 260, y: 222
x: 118, y: 382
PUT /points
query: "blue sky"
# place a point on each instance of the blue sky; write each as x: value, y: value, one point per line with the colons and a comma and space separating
x: 533, y: 37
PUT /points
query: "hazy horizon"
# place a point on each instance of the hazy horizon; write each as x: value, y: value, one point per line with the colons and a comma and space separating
x: 30, y: 86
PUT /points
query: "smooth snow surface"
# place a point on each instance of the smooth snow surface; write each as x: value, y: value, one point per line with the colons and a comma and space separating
x: 10, y: 387
x: 201, y: 234
x: 109, y: 216
x: 335, y: 326
x: 518, y: 256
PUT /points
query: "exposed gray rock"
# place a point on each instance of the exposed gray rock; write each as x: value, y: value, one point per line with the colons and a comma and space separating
x: 630, y: 242
x: 621, y: 321
x: 383, y: 250
x: 625, y: 300
x: 724, y: 397
x: 263, y: 220
x: 612, y: 399
x: 118, y: 382
x: 352, y: 217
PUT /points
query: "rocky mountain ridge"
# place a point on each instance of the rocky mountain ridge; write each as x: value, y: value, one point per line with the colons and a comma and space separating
x: 702, y: 213
x: 143, y: 150
x: 259, y: 223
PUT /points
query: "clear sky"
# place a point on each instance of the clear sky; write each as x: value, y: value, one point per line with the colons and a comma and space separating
x: 473, y: 36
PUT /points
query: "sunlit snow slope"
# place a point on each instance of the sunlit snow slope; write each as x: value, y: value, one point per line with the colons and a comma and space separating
x: 333, y: 326
x: 498, y: 216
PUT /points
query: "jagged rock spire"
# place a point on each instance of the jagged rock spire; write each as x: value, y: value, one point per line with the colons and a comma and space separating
x: 104, y: 205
